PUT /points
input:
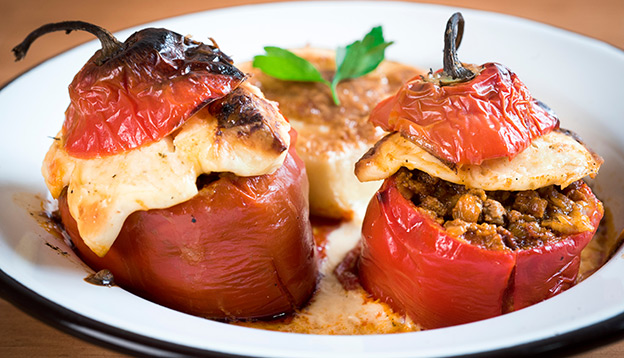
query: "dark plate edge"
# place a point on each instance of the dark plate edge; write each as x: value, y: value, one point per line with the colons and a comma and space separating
x: 92, y: 331
x: 116, y: 339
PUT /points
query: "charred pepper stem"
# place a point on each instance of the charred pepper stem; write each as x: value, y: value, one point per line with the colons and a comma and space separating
x: 452, y: 39
x: 110, y: 45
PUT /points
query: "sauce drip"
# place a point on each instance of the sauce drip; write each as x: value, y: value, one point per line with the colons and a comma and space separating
x: 101, y: 278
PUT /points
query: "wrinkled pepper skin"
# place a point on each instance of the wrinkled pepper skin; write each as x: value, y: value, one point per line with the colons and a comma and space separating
x: 410, y: 262
x: 143, y: 93
x: 451, y: 121
x: 240, y: 249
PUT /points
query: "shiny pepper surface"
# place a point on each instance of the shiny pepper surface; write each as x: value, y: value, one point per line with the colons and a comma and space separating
x: 242, y: 248
x: 412, y: 263
x: 145, y: 91
x: 490, y: 116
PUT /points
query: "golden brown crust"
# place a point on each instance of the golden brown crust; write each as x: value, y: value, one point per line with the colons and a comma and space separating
x: 310, y: 104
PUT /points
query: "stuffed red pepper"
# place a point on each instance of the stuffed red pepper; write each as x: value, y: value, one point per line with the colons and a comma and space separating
x: 483, y: 209
x: 181, y: 179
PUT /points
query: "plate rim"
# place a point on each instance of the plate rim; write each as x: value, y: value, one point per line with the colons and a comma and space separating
x: 123, y: 341
x: 90, y: 330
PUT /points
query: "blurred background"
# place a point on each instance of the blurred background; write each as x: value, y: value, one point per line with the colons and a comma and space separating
x: 600, y: 19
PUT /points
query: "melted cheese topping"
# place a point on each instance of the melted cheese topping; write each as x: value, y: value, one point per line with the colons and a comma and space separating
x: 103, y: 192
x: 552, y: 159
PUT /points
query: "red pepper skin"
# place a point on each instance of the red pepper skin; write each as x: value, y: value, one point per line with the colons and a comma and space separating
x: 240, y: 249
x: 546, y: 271
x: 410, y: 262
x: 143, y: 93
x: 451, y: 121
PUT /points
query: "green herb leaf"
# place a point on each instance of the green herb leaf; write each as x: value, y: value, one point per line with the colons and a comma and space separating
x: 360, y: 57
x: 285, y: 65
x: 352, y: 61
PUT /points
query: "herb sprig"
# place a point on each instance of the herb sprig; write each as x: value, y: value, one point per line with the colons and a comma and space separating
x: 352, y: 61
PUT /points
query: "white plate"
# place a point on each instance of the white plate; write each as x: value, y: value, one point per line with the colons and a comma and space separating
x: 578, y: 77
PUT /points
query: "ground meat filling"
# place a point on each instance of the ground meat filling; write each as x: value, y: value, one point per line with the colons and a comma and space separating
x: 498, y: 220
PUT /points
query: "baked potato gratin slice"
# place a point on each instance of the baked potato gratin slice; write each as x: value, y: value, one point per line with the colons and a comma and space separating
x: 333, y: 137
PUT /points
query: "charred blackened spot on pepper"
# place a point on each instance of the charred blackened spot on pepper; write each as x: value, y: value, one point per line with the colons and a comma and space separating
x: 174, y: 54
x: 167, y: 77
x: 238, y: 109
x: 247, y: 115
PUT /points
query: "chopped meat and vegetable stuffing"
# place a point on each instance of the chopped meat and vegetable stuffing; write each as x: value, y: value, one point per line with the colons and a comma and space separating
x: 498, y: 220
